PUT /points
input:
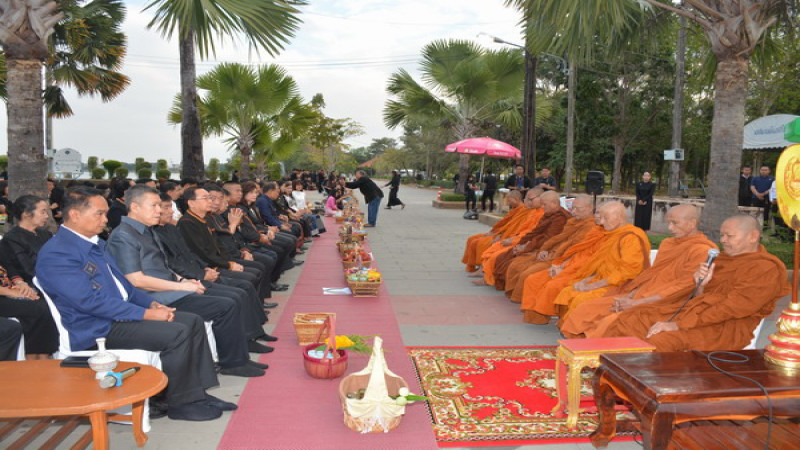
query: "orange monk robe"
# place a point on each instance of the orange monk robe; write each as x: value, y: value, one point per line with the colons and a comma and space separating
x: 743, y: 290
x: 522, y: 266
x: 489, y: 257
x: 625, y: 253
x: 672, y: 273
x: 470, y: 252
x: 540, y: 290
x: 511, y: 229
x: 549, y: 226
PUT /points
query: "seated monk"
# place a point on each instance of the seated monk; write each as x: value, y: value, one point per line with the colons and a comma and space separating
x: 532, y: 216
x: 541, y: 258
x: 472, y: 256
x: 735, y: 294
x: 541, y: 288
x: 672, y: 273
x: 551, y: 224
x: 625, y: 252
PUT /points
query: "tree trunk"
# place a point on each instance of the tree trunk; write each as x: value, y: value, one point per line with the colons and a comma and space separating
x: 27, y: 167
x: 677, y: 108
x: 568, y: 169
x: 191, y: 139
x: 529, y: 116
x: 244, y: 170
x: 730, y: 96
x: 616, y: 174
x: 463, y: 173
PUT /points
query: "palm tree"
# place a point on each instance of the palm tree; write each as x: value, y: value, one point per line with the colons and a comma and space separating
x: 265, y: 24
x: 734, y: 29
x: 464, y: 86
x: 25, y: 26
x: 259, y: 110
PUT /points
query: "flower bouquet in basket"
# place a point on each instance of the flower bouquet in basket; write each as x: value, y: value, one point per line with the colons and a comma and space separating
x: 356, y: 257
x: 374, y: 399
x: 328, y: 359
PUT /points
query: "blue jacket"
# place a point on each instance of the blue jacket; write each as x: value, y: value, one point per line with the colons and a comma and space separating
x: 266, y: 206
x: 77, y: 275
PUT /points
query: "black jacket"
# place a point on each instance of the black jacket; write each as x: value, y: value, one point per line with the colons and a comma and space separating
x: 18, y: 251
x: 179, y: 257
x: 512, y: 182
x: 199, y: 237
x: 368, y: 188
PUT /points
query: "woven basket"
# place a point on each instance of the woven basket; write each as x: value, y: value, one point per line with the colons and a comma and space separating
x: 339, y: 219
x: 361, y: 380
x: 325, y: 368
x: 308, y: 326
x: 364, y: 288
x: 352, y: 264
x: 344, y: 246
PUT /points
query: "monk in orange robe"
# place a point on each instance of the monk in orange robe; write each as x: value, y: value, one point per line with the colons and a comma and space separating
x: 541, y: 258
x: 739, y: 289
x: 672, y: 273
x: 624, y: 254
x: 540, y: 289
x: 488, y: 258
x: 551, y: 224
x: 472, y: 254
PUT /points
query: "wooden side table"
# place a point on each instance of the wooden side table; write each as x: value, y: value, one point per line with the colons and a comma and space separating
x: 43, y: 388
x: 573, y: 355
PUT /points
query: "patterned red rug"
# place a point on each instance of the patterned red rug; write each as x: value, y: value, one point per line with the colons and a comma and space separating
x: 495, y: 396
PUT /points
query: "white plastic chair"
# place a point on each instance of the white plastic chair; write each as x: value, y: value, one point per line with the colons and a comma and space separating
x: 21, y: 346
x: 653, y: 255
x: 135, y: 356
x: 756, y: 334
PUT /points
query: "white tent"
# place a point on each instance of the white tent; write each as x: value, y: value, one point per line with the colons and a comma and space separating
x: 767, y: 132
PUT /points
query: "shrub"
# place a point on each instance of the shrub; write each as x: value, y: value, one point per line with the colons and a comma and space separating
x: 144, y: 173
x: 98, y: 173
x: 92, y: 164
x: 121, y: 172
x: 224, y: 175
x: 111, y: 166
x: 450, y: 197
x: 163, y: 174
x: 447, y: 184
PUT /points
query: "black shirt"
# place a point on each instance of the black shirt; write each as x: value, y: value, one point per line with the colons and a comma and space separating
x: 199, y: 237
x: 512, y: 182
x: 18, y: 251
x: 179, y: 257
x: 368, y: 188
x: 490, y: 182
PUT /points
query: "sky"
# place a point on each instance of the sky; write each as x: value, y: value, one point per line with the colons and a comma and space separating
x: 344, y: 49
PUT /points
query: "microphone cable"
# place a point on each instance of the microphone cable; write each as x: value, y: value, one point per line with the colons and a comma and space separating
x: 691, y: 296
x: 739, y: 358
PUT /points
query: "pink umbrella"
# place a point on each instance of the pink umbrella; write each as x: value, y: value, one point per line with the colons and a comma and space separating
x: 484, y: 146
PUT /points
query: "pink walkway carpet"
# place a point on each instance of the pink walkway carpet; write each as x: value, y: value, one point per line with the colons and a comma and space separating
x: 287, y: 409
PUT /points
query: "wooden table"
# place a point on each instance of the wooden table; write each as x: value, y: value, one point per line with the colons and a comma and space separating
x: 43, y: 389
x: 670, y: 388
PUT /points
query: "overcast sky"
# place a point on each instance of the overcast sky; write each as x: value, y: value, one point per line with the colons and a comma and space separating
x: 344, y: 49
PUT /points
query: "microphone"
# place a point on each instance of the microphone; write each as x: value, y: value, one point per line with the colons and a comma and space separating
x: 712, y: 255
x: 115, y: 378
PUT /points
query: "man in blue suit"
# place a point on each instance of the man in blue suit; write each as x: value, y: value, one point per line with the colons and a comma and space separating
x: 96, y: 300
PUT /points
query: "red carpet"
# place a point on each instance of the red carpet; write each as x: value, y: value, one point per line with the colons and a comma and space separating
x: 495, y: 396
x: 287, y: 409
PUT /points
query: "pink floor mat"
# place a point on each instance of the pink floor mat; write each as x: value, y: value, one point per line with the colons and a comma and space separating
x: 288, y: 409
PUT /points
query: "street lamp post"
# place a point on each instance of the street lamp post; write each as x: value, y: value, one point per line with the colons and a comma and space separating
x: 528, y: 108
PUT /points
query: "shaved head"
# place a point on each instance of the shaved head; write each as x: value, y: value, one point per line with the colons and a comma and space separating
x: 514, y: 198
x: 612, y: 215
x: 740, y: 234
x: 532, y: 200
x: 582, y: 207
x: 682, y: 220
x: 551, y: 201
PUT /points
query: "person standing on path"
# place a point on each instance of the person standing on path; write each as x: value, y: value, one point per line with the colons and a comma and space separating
x: 489, y: 188
x: 372, y: 195
x: 760, y: 186
x: 395, y: 186
x: 644, y: 202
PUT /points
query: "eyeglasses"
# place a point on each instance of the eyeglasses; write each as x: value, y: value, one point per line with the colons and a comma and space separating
x: 203, y: 199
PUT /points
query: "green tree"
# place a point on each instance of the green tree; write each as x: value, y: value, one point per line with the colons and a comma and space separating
x: 25, y: 26
x: 138, y: 164
x: 163, y: 174
x: 111, y: 166
x: 265, y: 24
x: 212, y: 169
x: 259, y: 110
x: 120, y: 172
x: 98, y: 173
x: 91, y: 163
x: 144, y: 173
x: 464, y: 87
x: 161, y: 164
x: 326, y: 136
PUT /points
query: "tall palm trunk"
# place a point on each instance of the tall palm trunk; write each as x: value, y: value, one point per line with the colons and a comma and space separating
x: 677, y: 108
x: 27, y: 167
x: 730, y: 96
x: 568, y: 165
x: 244, y: 169
x: 191, y: 138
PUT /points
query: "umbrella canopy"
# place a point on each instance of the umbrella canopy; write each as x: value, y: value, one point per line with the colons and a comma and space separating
x: 484, y: 146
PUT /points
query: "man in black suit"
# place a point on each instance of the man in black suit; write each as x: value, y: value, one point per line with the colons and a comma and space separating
x: 372, y: 195
x: 489, y: 188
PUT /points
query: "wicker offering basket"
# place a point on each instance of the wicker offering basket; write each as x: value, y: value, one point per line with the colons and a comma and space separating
x: 351, y: 264
x: 364, y: 288
x: 325, y: 367
x: 376, y: 412
x: 308, y: 326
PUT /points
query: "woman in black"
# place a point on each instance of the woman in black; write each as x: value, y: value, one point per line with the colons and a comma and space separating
x: 644, y: 202
x: 469, y: 193
x: 395, y: 184
x: 18, y: 251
